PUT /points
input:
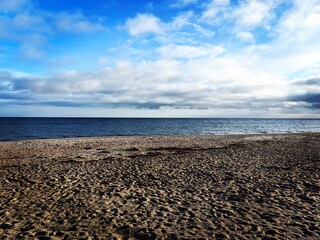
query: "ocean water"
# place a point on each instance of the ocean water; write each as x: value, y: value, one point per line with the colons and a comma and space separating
x: 42, y: 128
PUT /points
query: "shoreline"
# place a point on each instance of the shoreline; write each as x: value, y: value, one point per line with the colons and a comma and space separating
x: 166, y: 135
x: 251, y: 186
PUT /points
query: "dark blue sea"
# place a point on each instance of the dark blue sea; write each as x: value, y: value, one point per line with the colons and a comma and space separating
x: 42, y: 128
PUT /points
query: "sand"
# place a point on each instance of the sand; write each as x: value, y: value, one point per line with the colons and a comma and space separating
x: 205, y: 187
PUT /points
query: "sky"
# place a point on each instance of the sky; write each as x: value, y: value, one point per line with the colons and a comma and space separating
x: 178, y: 58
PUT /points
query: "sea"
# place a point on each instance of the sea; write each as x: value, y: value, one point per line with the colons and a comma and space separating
x: 12, y: 129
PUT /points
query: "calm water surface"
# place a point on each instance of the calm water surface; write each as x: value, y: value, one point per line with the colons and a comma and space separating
x: 40, y: 128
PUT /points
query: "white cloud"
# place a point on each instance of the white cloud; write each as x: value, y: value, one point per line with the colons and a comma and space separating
x: 302, y: 21
x: 182, y: 20
x: 32, y: 28
x: 33, y: 48
x: 181, y: 65
x: 28, y: 31
x: 247, y: 15
x: 183, y: 77
x: 212, y: 81
x: 145, y: 24
x: 183, y: 3
x: 290, y: 49
x: 181, y: 28
x: 15, y: 28
x: 245, y: 37
x: 213, y: 9
x: 13, y: 5
x: 103, y: 60
x: 254, y: 13
x: 77, y: 23
x: 185, y: 20
x: 189, y: 52
x: 36, y: 22
x: 293, y: 51
x: 26, y: 21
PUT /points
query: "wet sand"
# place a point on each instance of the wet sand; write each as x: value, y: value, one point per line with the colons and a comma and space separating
x: 209, y: 187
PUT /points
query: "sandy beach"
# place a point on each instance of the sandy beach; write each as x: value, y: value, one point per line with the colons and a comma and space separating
x: 197, y: 187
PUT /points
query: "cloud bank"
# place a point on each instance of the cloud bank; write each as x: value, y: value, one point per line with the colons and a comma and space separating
x: 255, y: 58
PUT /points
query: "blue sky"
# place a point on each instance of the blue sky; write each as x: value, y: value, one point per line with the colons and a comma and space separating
x: 178, y: 58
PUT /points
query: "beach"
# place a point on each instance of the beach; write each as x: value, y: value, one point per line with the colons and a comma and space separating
x: 161, y: 187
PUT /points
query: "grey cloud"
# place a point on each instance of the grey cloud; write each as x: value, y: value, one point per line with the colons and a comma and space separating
x: 63, y: 103
x: 146, y: 105
x: 74, y: 103
x: 313, y: 99
x: 26, y: 84
x: 235, y: 89
x: 309, y: 82
x: 4, y: 75
x: 6, y: 80
x: 13, y: 96
x: 313, y: 81
x: 308, y: 97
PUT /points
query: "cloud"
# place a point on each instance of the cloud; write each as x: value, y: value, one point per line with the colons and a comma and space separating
x: 76, y: 22
x: 144, y: 24
x: 26, y: 21
x: 103, y: 61
x: 245, y: 37
x: 189, y: 52
x: 5, y: 80
x: 40, y: 21
x: 302, y: 21
x: 205, y: 81
x: 224, y: 56
x: 310, y: 98
x: 309, y: 82
x: 213, y: 9
x: 182, y: 28
x: 186, y: 20
x: 313, y: 99
x: 34, y: 30
x: 13, y: 5
x: 19, y: 26
x: 183, y: 3
x: 292, y: 51
x: 241, y: 18
x: 182, y: 20
x: 29, y: 32
x: 32, y: 48
x: 182, y: 77
x: 254, y: 13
